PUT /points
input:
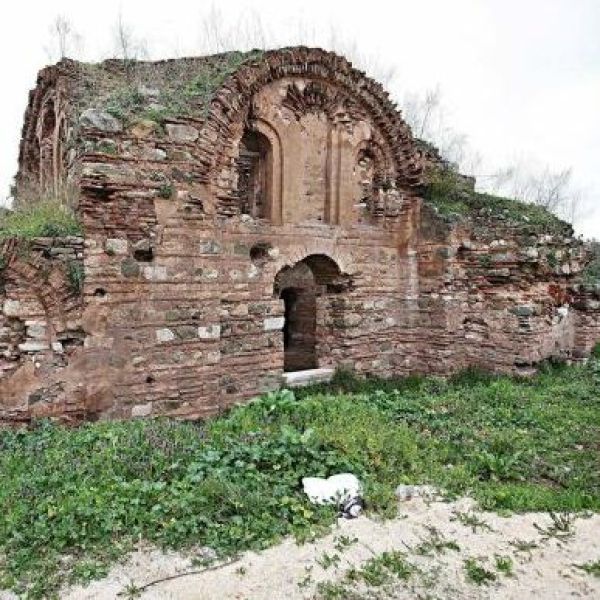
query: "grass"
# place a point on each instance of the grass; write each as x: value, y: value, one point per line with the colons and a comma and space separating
x: 74, y: 500
x: 591, y: 568
x: 504, y: 565
x: 453, y: 198
x: 381, y: 569
x: 46, y: 218
x: 179, y: 95
x: 476, y: 573
x: 75, y: 275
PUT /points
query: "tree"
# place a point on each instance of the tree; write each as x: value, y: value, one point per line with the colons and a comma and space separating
x: 426, y: 115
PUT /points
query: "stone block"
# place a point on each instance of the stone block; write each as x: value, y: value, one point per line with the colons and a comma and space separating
x: 209, y: 332
x: 210, y: 247
x: 165, y: 335
x: 273, y: 323
x: 36, y: 330
x: 98, y: 119
x: 181, y: 133
x: 141, y: 410
x: 116, y: 246
x: 11, y: 308
x: 33, y: 346
x: 154, y: 273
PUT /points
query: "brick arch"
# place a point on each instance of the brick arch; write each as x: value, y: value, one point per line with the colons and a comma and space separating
x: 321, y: 247
x: 230, y: 109
x: 45, y: 282
x: 45, y: 131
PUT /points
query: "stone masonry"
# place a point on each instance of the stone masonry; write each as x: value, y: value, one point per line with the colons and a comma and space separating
x: 246, y: 214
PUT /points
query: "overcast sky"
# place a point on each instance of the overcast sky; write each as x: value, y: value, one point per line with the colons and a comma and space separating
x: 521, y: 78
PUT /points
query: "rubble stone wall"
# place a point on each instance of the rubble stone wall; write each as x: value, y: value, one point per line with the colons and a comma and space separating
x: 195, y: 225
x: 40, y: 323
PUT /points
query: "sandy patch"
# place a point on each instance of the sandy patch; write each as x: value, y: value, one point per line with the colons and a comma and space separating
x: 292, y: 571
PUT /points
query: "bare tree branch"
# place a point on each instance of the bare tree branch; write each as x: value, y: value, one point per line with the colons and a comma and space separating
x: 64, y: 40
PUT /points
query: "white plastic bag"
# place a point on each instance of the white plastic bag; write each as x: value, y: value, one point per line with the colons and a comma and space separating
x: 336, y: 489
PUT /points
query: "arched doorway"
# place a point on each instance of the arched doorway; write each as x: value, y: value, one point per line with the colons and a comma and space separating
x: 302, y: 289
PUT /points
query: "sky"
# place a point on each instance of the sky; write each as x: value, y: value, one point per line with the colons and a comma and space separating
x: 519, y: 78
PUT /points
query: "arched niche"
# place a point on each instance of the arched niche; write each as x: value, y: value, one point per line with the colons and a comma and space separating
x: 259, y: 172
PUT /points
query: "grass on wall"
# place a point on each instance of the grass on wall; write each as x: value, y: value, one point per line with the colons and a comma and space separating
x: 182, y: 94
x: 449, y: 194
x: 46, y: 218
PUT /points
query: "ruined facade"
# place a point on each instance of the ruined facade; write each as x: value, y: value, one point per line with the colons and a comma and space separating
x: 245, y: 216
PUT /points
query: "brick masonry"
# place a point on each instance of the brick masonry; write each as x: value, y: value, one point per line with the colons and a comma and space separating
x: 278, y: 225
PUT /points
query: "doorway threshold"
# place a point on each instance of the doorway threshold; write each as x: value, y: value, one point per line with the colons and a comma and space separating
x: 307, y: 377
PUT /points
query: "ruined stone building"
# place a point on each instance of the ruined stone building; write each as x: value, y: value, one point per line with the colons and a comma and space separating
x: 248, y: 216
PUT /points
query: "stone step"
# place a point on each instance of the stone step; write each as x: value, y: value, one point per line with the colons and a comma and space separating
x: 307, y: 377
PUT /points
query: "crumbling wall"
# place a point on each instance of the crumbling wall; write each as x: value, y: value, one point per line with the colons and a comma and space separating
x: 40, y: 324
x: 501, y: 296
x: 194, y: 204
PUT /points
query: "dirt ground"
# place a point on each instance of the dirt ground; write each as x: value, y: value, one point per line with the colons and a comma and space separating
x: 543, y: 560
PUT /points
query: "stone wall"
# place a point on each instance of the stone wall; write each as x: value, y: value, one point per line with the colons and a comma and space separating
x: 196, y: 223
x: 40, y: 322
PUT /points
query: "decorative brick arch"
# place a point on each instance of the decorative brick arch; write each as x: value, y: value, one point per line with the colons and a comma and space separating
x: 332, y: 81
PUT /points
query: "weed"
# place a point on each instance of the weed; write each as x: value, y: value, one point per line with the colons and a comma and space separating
x: 591, y: 568
x: 485, y: 260
x: 476, y: 573
x: 329, y: 590
x: 504, y: 564
x: 560, y: 529
x: 76, y: 274
x: 343, y: 542
x: 454, y: 197
x: 470, y: 519
x: 325, y: 560
x: 131, y: 591
x: 381, y: 568
x: 166, y: 191
x: 241, y: 571
x: 307, y: 579
x: 46, y: 218
x: 435, y: 544
x: 523, y: 545
x: 178, y: 94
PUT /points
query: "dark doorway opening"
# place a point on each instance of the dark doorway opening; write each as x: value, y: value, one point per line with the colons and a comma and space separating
x: 303, y: 288
x: 299, y: 329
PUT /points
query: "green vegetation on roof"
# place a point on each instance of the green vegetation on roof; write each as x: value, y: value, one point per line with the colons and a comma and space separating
x: 73, y: 500
x: 452, y: 196
x: 160, y: 91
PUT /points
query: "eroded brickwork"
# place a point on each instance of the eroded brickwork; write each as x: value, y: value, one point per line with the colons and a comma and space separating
x: 276, y: 224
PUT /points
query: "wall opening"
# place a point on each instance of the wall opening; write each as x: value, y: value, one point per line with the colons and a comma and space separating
x: 299, y: 329
x: 303, y: 289
x: 255, y: 175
